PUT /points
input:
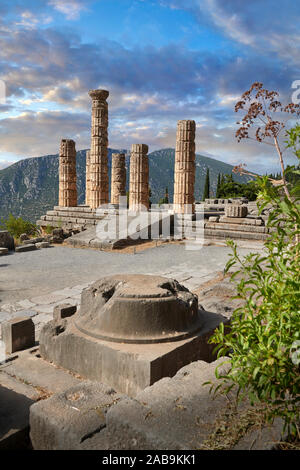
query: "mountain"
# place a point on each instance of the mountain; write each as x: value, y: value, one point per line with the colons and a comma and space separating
x: 29, y: 187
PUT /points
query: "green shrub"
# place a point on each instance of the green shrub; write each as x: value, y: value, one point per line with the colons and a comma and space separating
x: 17, y: 226
x: 48, y: 229
x: 263, y: 343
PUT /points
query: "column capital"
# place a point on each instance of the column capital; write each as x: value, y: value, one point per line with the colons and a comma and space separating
x: 99, y: 94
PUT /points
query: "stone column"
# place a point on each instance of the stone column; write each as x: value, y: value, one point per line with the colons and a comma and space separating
x: 67, y: 174
x: 139, y: 178
x: 98, y: 158
x: 87, y: 178
x: 118, y: 177
x: 184, y: 178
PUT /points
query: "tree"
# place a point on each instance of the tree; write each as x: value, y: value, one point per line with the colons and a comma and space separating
x: 17, y: 226
x: 218, y: 186
x: 206, y: 192
x: 230, y: 188
x: 166, y: 196
x: 263, y: 344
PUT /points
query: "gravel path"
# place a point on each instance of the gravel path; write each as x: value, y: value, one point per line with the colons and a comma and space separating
x: 34, y: 273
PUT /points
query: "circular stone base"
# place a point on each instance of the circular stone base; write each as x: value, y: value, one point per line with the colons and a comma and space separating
x: 136, y: 308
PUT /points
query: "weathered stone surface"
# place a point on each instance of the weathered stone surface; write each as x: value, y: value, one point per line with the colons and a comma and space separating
x: 33, y: 240
x: 177, y: 413
x: 18, y: 334
x: 214, y: 219
x: 67, y: 174
x: 23, y: 248
x: 239, y: 228
x: 242, y: 221
x: 23, y: 237
x: 63, y: 311
x: 6, y: 240
x: 234, y: 234
x: 235, y: 210
x: 138, y: 309
x: 87, y: 178
x: 14, y: 419
x: 139, y: 178
x: 184, y: 177
x: 68, y: 420
x: 43, y: 245
x: 118, y: 177
x: 127, y: 367
x: 3, y: 251
x: 98, y: 167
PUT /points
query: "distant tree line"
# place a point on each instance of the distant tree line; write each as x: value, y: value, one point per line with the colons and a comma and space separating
x: 227, y: 187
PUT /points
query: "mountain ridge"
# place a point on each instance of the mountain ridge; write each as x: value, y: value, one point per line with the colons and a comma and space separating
x: 29, y: 187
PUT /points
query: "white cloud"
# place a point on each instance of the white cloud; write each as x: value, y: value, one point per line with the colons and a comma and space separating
x: 5, y: 164
x: 70, y: 8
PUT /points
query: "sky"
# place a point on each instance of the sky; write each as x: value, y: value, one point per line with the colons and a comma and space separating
x: 161, y: 60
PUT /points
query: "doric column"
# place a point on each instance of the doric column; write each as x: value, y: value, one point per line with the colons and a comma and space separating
x: 118, y: 177
x: 87, y: 178
x: 67, y: 174
x: 98, y: 157
x: 184, y: 178
x: 139, y: 178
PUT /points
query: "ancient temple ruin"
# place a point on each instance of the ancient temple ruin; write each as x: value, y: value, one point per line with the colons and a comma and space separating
x: 118, y: 177
x: 184, y: 177
x: 223, y: 218
x: 67, y: 174
x: 139, y: 178
x: 98, y: 168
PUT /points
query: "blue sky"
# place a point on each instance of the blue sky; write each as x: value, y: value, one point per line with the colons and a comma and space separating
x: 161, y: 60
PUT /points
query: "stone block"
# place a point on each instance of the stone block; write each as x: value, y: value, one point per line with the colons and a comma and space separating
x: 68, y: 420
x: 3, y: 251
x: 23, y: 248
x: 23, y: 237
x: 235, y: 210
x: 242, y: 220
x: 213, y: 219
x: 18, y: 334
x: 180, y: 413
x: 6, y: 240
x: 174, y: 413
x: 63, y: 311
x: 14, y: 418
x: 43, y: 245
x: 128, y: 368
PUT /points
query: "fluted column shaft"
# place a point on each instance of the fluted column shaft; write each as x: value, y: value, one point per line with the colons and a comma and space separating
x: 98, y: 157
x: 87, y: 178
x: 139, y: 178
x: 67, y: 174
x: 118, y: 177
x: 184, y: 178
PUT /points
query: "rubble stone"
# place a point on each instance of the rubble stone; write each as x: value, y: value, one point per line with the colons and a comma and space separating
x: 235, y: 210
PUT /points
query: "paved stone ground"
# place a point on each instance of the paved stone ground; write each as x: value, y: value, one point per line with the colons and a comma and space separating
x: 32, y: 283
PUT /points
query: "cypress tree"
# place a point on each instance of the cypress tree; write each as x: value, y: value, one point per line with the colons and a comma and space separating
x: 167, y: 196
x: 206, y: 186
x: 218, y: 186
